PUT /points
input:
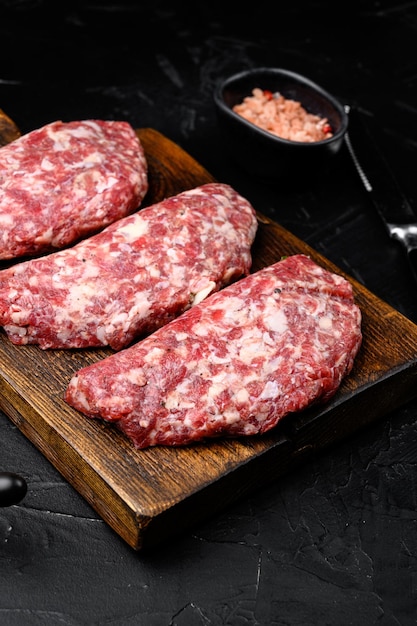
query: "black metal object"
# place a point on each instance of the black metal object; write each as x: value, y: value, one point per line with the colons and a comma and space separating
x: 380, y: 183
x: 13, y: 488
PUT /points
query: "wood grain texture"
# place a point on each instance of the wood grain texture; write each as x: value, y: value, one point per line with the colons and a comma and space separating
x: 8, y: 129
x: 147, y: 496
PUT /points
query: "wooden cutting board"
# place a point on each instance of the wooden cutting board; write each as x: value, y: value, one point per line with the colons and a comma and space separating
x: 146, y: 496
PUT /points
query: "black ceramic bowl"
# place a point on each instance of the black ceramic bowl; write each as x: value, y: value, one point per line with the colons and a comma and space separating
x: 264, y: 154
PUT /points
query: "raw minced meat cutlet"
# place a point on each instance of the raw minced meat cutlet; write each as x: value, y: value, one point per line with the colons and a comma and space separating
x: 65, y: 181
x: 271, y: 344
x: 134, y: 276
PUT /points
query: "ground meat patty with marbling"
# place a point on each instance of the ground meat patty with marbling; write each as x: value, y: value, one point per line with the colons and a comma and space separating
x: 271, y: 344
x: 134, y: 276
x: 65, y: 181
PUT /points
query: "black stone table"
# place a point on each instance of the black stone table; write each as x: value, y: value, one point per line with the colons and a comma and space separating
x: 335, y: 541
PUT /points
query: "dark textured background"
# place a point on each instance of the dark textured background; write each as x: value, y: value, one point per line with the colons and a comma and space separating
x: 335, y: 542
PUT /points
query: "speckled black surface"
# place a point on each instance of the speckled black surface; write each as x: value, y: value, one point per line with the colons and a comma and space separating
x: 335, y: 542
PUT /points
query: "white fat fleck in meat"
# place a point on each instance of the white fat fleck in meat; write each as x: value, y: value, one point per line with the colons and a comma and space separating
x: 200, y: 295
x: 270, y: 391
x: 92, y: 159
x: 237, y: 309
x: 21, y: 331
x: 62, y: 139
x: 33, y: 282
x: 47, y: 165
x: 175, y: 401
x: 326, y: 323
x: 241, y: 396
x: 218, y: 360
x: 181, y: 336
x: 6, y: 219
x: 275, y: 362
x: 154, y: 271
x: 253, y: 345
x: 174, y: 254
x: 12, y: 294
x: 132, y: 229
x: 64, y: 334
x: 45, y: 237
x: 119, y: 320
x: 252, y: 348
x: 123, y: 319
x: 17, y: 317
x: 79, y: 295
x: 101, y: 334
x: 153, y: 355
x: 200, y: 329
x: 231, y: 416
x: 276, y: 320
x: 176, y: 274
x: 136, y: 376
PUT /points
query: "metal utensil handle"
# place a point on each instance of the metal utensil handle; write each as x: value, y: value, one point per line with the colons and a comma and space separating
x: 355, y: 159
